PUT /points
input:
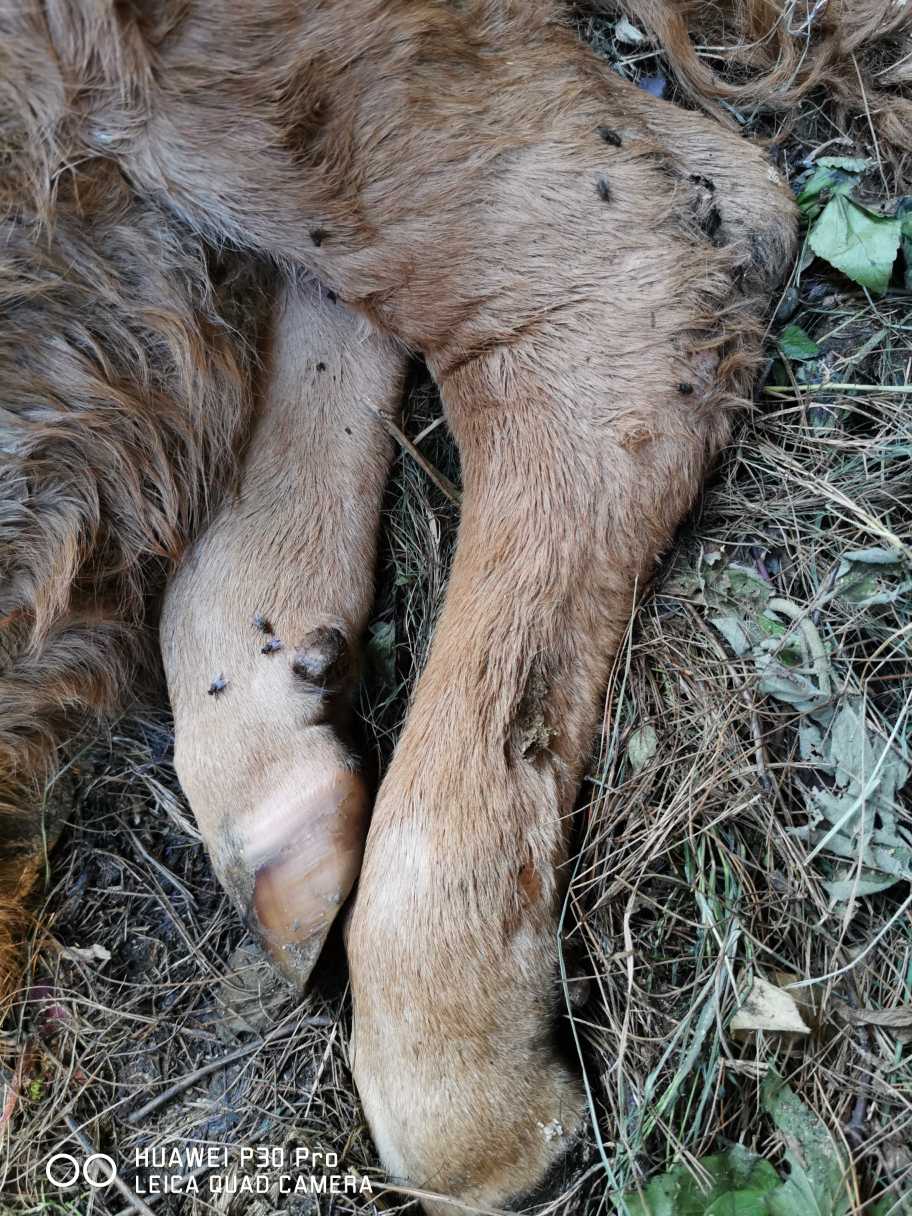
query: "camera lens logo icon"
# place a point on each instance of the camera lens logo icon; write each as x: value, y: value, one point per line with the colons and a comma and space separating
x: 64, y: 1170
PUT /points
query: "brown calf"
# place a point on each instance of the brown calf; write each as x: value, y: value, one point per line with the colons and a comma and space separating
x: 583, y: 268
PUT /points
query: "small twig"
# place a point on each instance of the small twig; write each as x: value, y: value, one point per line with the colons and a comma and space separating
x: 827, y: 143
x: 776, y: 390
x: 761, y: 754
x: 86, y: 1145
x: 282, y: 1031
x: 864, y: 98
x: 443, y: 484
x: 429, y: 429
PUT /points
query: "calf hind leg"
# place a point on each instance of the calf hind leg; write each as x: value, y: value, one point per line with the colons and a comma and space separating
x: 585, y: 426
x: 261, y: 624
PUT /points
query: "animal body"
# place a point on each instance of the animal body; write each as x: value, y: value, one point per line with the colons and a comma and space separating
x: 224, y: 229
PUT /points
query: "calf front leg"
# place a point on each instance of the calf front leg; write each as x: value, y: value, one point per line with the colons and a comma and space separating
x: 261, y: 626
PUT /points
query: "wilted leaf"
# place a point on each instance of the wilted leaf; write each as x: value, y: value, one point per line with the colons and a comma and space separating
x: 792, y: 687
x: 624, y: 31
x: 856, y: 241
x: 817, y: 1181
x: 796, y: 344
x: 766, y: 1007
x: 899, y: 1017
x: 642, y: 746
x: 96, y: 953
x: 733, y: 632
x: 858, y: 886
x: 810, y: 744
x: 860, y: 807
x: 851, y: 164
x: 873, y: 557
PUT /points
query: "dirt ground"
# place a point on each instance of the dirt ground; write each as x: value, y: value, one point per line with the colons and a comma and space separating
x: 744, y: 816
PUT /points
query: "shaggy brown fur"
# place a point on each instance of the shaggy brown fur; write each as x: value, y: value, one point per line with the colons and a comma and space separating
x: 860, y: 51
x: 583, y: 268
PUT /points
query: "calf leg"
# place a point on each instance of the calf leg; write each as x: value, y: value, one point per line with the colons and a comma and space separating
x: 588, y: 392
x: 481, y: 187
x: 261, y: 624
x: 578, y: 464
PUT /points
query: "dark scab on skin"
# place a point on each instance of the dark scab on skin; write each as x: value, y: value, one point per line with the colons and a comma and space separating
x: 320, y: 658
x: 707, y: 183
x: 531, y: 732
x: 705, y: 210
x: 610, y: 137
x: 318, y: 236
x: 712, y: 223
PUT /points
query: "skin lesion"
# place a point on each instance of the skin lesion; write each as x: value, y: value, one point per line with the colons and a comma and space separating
x: 322, y: 658
x: 531, y: 734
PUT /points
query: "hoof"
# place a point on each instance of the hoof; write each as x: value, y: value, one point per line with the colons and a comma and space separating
x: 304, y: 853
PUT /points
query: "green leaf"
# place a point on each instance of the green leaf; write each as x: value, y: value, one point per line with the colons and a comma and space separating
x: 740, y: 1203
x: 642, y: 746
x: 735, y: 1183
x: 796, y: 344
x: 825, y: 180
x: 747, y: 584
x: 818, y: 1177
x: 893, y: 1205
x: 904, y: 215
x: 858, y: 242
x: 657, y: 1198
x: 872, y: 576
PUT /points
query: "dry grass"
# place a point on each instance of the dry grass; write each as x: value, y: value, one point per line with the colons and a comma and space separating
x: 693, y: 869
